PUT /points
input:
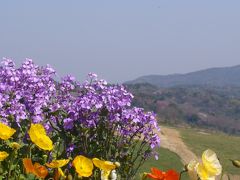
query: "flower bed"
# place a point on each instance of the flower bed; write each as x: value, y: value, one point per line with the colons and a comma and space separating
x: 65, y: 128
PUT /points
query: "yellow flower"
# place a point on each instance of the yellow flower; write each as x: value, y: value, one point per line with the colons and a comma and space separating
x: 3, y: 155
x: 210, y: 166
x: 207, y: 169
x: 36, y: 169
x: 104, y: 165
x: 83, y: 166
x: 5, y: 131
x: 57, y: 163
x: 39, y: 137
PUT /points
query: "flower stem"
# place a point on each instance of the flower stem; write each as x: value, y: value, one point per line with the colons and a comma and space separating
x: 181, y: 174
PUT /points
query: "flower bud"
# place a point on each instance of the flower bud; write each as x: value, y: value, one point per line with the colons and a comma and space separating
x: 113, y: 175
x: 117, y: 164
x: 236, y: 163
x: 69, y: 177
x: 45, y: 157
x: 15, y: 145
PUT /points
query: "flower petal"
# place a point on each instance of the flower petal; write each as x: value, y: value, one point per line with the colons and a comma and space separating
x: 211, y: 163
x: 57, y: 163
x: 38, y: 136
x: 27, y: 163
x: 191, y: 169
x: 5, y: 131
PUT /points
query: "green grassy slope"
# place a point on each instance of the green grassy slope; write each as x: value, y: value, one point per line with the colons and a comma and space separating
x: 227, y: 147
x: 167, y: 160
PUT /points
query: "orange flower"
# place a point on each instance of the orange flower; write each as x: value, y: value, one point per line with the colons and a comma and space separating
x: 41, y: 171
x: 36, y: 169
x: 160, y: 175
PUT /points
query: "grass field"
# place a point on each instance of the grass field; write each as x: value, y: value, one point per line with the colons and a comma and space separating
x: 167, y: 160
x: 227, y: 147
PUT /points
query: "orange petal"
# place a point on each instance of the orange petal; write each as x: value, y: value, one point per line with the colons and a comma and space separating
x: 152, y: 176
x: 157, y: 172
x: 40, y: 171
x: 172, y: 175
x: 27, y: 163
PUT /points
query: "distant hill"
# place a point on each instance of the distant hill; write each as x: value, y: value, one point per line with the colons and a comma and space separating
x: 226, y: 76
x: 202, y: 106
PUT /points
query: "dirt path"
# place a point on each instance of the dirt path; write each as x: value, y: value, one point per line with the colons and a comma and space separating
x: 170, y: 139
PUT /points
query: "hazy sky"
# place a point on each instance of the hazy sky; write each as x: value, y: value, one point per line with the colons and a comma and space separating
x: 122, y: 39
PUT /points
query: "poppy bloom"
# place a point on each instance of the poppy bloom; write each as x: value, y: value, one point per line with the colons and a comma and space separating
x: 83, y: 166
x: 161, y: 175
x: 210, y: 166
x: 57, y: 164
x: 36, y: 169
x: 105, y: 166
x: 39, y: 137
x: 6, y: 132
x: 207, y: 169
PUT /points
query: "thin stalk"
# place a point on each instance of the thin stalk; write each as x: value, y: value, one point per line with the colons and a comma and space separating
x: 182, y: 173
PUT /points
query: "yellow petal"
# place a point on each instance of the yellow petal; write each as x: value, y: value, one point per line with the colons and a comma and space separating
x: 57, y: 163
x: 3, y: 155
x: 61, y: 172
x: 83, y: 166
x: 58, y: 173
x: 191, y: 168
x: 97, y: 162
x: 203, y: 173
x: 38, y: 136
x: 211, y: 163
x: 6, y: 132
x: 105, y: 174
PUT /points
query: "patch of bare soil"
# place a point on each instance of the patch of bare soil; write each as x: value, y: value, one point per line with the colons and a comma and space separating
x: 170, y: 139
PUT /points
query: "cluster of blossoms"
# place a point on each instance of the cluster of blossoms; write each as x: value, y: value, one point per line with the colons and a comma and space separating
x: 37, y: 134
x: 90, y: 119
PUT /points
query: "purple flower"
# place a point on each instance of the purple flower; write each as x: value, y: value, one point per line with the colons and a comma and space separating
x: 68, y: 123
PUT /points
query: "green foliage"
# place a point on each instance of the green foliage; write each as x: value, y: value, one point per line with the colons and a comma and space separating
x: 198, y: 106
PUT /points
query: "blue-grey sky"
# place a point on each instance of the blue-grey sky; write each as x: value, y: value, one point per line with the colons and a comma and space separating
x: 121, y: 40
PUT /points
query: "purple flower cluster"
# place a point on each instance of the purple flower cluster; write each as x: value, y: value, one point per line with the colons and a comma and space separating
x: 25, y: 91
x: 31, y: 92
